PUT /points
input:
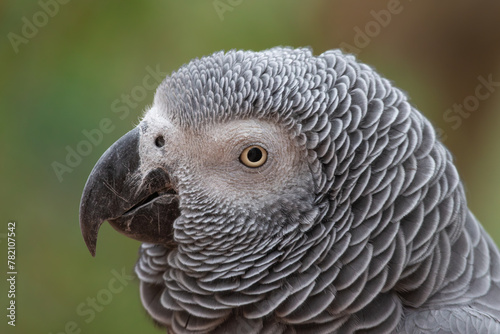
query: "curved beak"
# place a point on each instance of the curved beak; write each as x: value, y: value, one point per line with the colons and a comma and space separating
x: 140, y: 205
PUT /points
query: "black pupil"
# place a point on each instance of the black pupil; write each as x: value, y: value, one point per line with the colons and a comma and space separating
x: 254, y: 154
x: 160, y: 141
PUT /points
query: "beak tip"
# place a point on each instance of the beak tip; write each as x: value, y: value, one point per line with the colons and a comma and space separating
x: 90, y: 237
x: 92, y: 248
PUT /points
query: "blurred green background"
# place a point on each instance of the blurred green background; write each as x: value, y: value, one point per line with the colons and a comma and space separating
x: 65, y: 64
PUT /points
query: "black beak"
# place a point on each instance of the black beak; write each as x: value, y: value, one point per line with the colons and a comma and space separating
x: 142, y: 206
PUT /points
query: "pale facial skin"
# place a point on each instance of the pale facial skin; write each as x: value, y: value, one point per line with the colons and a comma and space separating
x: 210, y: 158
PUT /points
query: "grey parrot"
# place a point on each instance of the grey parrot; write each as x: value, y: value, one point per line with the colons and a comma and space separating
x: 282, y: 192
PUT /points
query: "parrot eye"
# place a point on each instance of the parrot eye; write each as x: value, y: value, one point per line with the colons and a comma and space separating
x: 253, y: 156
x: 159, y: 141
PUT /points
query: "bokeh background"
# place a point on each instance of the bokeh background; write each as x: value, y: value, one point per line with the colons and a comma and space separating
x: 63, y: 72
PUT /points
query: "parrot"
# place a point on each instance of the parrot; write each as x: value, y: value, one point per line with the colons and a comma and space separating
x: 279, y: 191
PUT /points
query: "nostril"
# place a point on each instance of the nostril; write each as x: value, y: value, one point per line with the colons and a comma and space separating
x: 159, y: 141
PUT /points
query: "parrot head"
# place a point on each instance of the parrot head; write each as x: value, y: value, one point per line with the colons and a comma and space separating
x: 219, y: 165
